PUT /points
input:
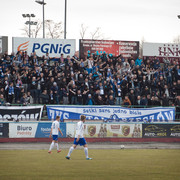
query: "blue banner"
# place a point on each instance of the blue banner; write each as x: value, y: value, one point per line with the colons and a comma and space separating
x: 44, y: 129
x: 113, y: 113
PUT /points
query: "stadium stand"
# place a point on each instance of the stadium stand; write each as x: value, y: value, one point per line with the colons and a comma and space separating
x: 95, y: 80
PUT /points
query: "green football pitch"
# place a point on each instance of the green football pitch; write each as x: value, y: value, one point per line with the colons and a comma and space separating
x: 109, y: 164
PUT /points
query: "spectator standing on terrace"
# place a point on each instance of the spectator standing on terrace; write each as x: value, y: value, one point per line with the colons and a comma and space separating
x: 29, y: 98
x: 61, y: 59
x: 143, y: 101
x: 73, y: 94
x: 55, y: 89
x: 10, y: 93
x: 23, y: 99
x: 100, y: 101
x: 44, y: 97
x: 138, y: 61
x: 33, y: 89
x: 65, y: 95
x: 51, y: 97
x: 126, y: 101
x: 110, y: 100
x: 90, y: 64
x: 2, y: 100
x: 89, y: 100
x: 18, y: 88
x: 168, y: 72
x: 79, y: 98
x: 132, y: 97
x: 156, y: 63
x: 118, y: 95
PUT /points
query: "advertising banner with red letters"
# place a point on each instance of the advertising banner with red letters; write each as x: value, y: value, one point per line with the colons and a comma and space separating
x: 170, y: 51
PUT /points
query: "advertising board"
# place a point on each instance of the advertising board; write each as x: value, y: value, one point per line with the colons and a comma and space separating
x: 169, y: 51
x: 161, y: 130
x: 103, y: 130
x: 55, y: 47
x: 112, y: 113
x: 22, y: 130
x: 44, y: 129
x: 115, y: 48
x: 4, y: 130
x: 3, y: 44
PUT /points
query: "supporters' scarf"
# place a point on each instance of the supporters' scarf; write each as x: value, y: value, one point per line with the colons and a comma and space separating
x: 178, y: 72
x: 11, y: 90
x: 119, y: 92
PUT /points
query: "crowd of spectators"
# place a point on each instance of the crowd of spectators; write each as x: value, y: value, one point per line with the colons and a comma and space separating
x: 95, y: 80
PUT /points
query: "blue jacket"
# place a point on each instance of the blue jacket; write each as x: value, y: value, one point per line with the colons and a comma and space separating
x: 138, y: 62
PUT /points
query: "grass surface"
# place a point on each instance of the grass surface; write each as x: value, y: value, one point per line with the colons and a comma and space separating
x: 106, y: 164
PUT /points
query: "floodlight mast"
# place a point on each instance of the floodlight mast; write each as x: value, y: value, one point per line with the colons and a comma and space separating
x: 42, y: 3
x: 65, y: 18
x: 29, y: 22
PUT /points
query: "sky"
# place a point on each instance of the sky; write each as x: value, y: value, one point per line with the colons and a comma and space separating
x: 151, y: 20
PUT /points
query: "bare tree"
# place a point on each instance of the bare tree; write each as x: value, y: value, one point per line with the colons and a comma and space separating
x: 36, y: 30
x: 25, y: 31
x: 97, y: 34
x: 54, y: 29
x: 83, y: 31
x: 176, y: 39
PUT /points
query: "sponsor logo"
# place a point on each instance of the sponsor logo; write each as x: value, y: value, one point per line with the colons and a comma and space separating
x: 46, y: 48
x: 175, y: 131
x: 154, y: 129
x: 169, y: 50
x: 45, y: 130
x: 125, y: 130
x: 175, y: 128
x: 150, y: 134
x: 23, y: 46
x: 175, y: 134
x: 91, y: 130
x: 24, y: 130
x: 52, y: 48
x: 115, y: 127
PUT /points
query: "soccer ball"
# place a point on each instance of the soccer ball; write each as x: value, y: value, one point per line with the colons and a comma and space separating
x: 122, y: 146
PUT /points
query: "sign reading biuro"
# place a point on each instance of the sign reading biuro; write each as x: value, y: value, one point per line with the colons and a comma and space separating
x: 54, y: 47
x: 113, y: 113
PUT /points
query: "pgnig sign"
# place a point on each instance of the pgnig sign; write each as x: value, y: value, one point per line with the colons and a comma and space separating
x: 54, y: 47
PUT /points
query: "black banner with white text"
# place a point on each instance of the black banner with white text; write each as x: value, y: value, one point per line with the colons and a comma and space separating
x: 20, y: 113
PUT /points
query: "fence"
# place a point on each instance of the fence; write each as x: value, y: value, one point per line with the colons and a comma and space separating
x: 91, y: 130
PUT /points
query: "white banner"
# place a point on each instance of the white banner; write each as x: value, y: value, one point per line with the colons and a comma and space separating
x: 55, y: 47
x: 22, y: 130
x: 161, y: 49
x: 112, y: 113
